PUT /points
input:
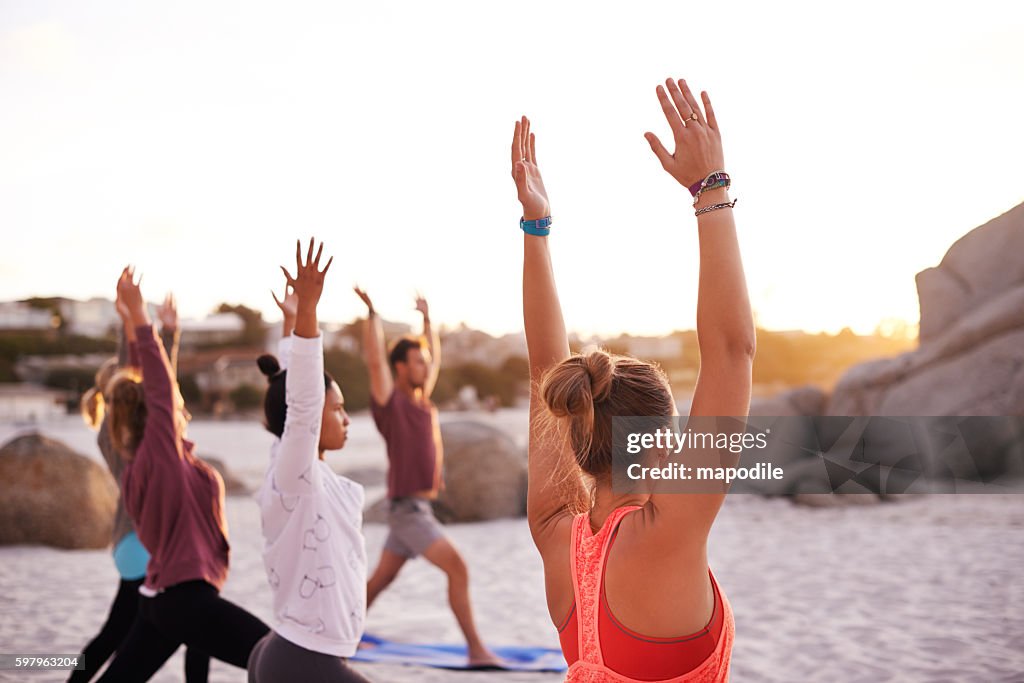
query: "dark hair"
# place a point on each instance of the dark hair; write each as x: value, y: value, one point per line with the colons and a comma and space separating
x: 275, y: 403
x: 400, y: 349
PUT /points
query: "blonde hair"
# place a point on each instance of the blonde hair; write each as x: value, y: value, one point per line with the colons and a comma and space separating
x: 126, y: 421
x: 582, y: 394
x: 93, y: 404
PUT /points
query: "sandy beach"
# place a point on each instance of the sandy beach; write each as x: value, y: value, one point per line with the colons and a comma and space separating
x: 925, y: 589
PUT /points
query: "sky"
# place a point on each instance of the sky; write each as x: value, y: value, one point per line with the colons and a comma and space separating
x: 198, y: 140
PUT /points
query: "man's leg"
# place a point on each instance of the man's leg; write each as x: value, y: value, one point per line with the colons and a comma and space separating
x: 387, y: 569
x: 442, y: 554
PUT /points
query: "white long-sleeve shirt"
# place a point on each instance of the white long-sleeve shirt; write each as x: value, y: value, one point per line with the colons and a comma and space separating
x: 314, y: 551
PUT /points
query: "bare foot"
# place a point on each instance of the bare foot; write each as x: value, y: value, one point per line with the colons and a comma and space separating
x: 482, y: 658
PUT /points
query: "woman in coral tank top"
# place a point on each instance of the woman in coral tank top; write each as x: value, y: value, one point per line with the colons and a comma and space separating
x: 626, y: 573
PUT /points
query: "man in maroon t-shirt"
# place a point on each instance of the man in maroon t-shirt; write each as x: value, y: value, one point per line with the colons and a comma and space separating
x: 407, y: 419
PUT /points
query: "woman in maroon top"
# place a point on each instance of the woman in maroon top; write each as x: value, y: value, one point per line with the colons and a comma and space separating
x: 176, y: 502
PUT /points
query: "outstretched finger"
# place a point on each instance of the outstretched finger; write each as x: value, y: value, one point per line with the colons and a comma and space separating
x: 287, y: 276
x: 329, y: 262
x: 533, y: 149
x: 318, y: 253
x: 712, y: 121
x: 659, y: 149
x: 526, y: 140
x: 691, y: 101
x: 679, y: 100
x: 298, y: 259
x: 276, y: 301
x: 671, y: 113
x: 309, y: 254
x: 516, y: 144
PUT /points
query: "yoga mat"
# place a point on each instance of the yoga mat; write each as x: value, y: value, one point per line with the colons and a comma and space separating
x: 515, y: 658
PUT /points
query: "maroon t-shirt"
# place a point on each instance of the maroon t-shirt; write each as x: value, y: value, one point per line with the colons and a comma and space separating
x: 413, y: 438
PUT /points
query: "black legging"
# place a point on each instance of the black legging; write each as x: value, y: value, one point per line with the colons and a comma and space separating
x: 191, y: 613
x: 119, y: 622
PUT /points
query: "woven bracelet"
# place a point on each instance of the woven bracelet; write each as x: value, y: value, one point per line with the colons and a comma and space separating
x: 715, y: 207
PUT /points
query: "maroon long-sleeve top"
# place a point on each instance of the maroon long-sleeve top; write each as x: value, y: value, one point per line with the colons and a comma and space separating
x: 175, y: 500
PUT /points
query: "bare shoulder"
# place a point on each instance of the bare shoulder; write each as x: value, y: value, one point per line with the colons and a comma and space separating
x: 653, y: 536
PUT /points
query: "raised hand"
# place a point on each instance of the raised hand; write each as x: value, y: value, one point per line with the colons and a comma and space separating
x: 122, y: 309
x: 529, y: 185
x: 421, y: 305
x: 129, y: 297
x: 365, y: 297
x: 307, y: 285
x: 698, y: 142
x: 289, y: 305
x: 167, y: 313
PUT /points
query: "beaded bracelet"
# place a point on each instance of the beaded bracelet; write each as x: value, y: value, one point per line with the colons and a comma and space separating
x: 715, y: 207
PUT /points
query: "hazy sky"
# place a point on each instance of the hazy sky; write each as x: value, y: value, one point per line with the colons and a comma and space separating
x: 199, y: 139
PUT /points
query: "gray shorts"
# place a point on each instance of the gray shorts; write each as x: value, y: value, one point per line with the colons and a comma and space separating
x: 412, y: 526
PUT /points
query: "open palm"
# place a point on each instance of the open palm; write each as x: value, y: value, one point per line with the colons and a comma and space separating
x: 529, y: 184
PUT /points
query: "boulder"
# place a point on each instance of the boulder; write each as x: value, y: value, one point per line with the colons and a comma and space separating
x: 979, y: 266
x: 233, y: 485
x: 484, y: 476
x: 970, y: 360
x: 51, y: 495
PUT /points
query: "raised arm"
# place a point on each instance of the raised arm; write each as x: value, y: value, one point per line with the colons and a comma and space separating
x: 433, y: 343
x: 289, y: 309
x: 725, y: 324
x: 546, y: 342
x: 375, y: 354
x: 304, y: 384
x: 170, y: 333
x: 128, y: 351
x: 157, y: 375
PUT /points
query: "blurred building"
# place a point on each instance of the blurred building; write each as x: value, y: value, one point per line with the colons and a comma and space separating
x: 219, y: 328
x: 465, y: 345
x: 17, y: 316
x: 96, y: 317
x: 31, y: 403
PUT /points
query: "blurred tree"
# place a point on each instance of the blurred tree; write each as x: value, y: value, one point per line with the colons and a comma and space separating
x: 246, y: 397
x: 350, y: 373
x: 253, y: 332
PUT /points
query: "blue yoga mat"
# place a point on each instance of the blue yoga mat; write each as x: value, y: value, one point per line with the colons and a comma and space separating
x: 515, y: 658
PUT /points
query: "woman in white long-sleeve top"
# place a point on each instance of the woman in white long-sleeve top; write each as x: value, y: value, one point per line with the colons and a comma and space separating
x: 314, y: 551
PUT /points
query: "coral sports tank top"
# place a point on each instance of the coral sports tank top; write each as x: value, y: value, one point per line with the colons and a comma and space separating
x: 599, y: 648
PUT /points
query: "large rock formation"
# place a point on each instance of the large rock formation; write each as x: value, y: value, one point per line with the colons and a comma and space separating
x: 50, y: 495
x: 970, y: 360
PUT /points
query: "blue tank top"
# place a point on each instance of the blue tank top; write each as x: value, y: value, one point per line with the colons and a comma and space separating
x: 131, y: 557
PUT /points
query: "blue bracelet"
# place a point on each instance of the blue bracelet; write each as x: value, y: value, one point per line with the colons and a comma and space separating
x: 538, y: 227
